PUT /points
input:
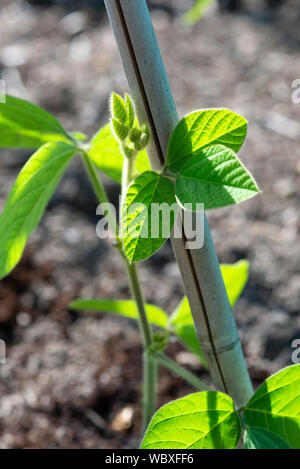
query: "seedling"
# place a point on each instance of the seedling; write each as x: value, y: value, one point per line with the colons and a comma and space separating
x: 201, y: 166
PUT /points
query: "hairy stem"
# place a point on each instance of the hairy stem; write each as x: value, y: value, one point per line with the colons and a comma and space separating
x: 140, y: 303
x: 100, y: 192
x: 128, y: 169
x: 189, y: 377
x: 127, y: 175
x: 149, y: 365
x: 96, y: 182
x: 150, y: 368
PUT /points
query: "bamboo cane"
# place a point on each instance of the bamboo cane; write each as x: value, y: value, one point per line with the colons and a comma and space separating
x: 200, y: 270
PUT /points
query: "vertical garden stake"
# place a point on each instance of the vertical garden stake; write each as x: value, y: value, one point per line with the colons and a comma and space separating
x: 200, y: 271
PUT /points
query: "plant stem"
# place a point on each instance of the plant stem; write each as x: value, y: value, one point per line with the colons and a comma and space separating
x: 150, y: 369
x: 149, y: 365
x: 96, y: 182
x: 100, y: 191
x: 128, y: 170
x: 127, y: 174
x: 189, y: 377
x: 138, y: 296
x: 150, y: 373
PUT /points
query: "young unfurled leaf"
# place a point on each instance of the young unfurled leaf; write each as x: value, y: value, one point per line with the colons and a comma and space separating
x: 126, y: 308
x: 118, y: 108
x: 276, y: 406
x: 215, y: 177
x: 128, y: 149
x: 28, y: 198
x: 140, y: 137
x: 23, y: 125
x: 196, y: 12
x: 148, y: 215
x: 106, y: 154
x: 260, y: 438
x: 205, y: 420
x: 130, y: 111
x: 120, y: 130
x: 235, y: 277
x: 135, y: 135
x: 201, y: 129
x: 145, y: 137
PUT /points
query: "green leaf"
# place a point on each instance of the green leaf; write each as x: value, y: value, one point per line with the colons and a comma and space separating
x: 188, y: 336
x: 182, y: 314
x: 196, y: 12
x: 215, y: 177
x: 120, y: 130
x: 106, y: 154
x: 28, y: 198
x: 183, y: 325
x: 126, y: 308
x: 144, y: 227
x: 201, y: 129
x: 24, y: 125
x: 118, y: 107
x: 142, y: 163
x: 130, y: 111
x: 259, y: 438
x: 204, y: 420
x: 79, y: 136
x: 235, y: 277
x: 276, y: 406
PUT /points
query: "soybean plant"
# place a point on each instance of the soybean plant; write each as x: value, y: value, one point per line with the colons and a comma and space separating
x: 202, y: 167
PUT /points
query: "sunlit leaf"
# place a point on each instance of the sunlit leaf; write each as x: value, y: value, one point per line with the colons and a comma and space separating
x: 126, y: 308
x: 201, y: 129
x: 276, y: 406
x: 28, y: 198
x: 235, y: 277
x: 118, y: 107
x: 79, y: 136
x: 215, y: 177
x: 205, y: 420
x: 197, y: 11
x: 24, y: 125
x: 120, y: 130
x: 106, y: 154
x: 130, y: 111
x: 148, y: 215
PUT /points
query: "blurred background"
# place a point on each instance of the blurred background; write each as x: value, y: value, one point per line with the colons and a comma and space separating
x: 72, y: 380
